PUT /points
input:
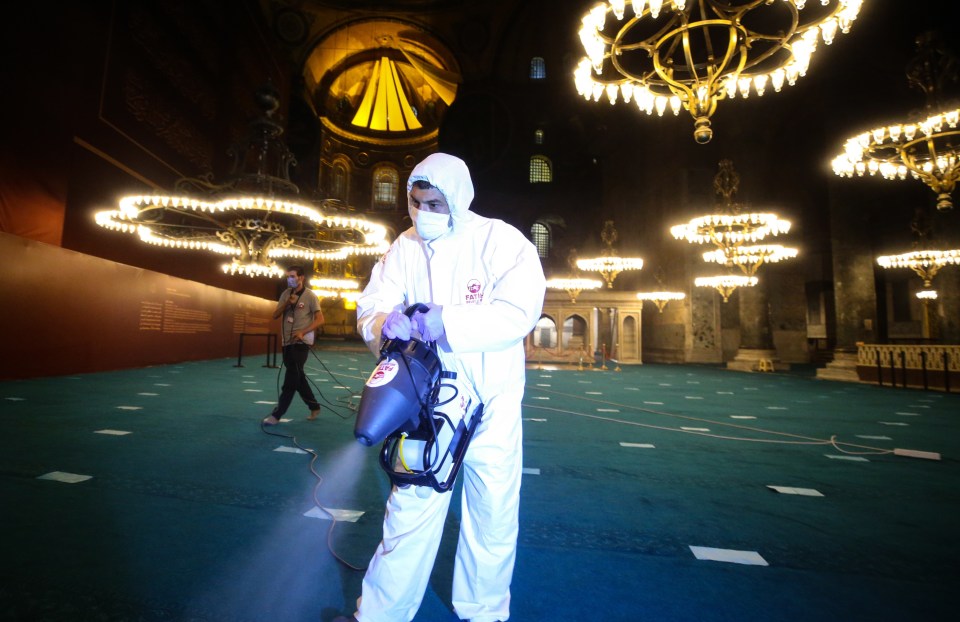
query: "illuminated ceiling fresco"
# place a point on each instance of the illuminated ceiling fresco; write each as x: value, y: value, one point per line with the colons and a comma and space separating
x: 382, y: 78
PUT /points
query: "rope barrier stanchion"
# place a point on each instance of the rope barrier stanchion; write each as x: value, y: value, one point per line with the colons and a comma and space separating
x: 271, y: 349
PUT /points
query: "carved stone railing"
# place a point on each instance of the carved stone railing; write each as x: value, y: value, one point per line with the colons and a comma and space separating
x: 924, y: 366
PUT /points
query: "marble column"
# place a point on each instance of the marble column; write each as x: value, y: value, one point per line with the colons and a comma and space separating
x: 756, y: 337
x: 854, y: 287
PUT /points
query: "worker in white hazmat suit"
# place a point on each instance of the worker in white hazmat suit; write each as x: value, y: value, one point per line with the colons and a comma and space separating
x: 484, y: 286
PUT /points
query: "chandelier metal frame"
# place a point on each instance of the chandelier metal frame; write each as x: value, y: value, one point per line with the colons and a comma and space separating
x: 660, y: 298
x: 250, y: 216
x: 928, y: 148
x: 256, y: 232
x: 726, y: 284
x: 750, y: 258
x: 729, y: 231
x: 609, y: 265
x: 925, y: 263
x: 691, y: 54
x: 573, y: 285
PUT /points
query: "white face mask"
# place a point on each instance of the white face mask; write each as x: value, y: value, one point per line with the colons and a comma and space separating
x: 430, y: 225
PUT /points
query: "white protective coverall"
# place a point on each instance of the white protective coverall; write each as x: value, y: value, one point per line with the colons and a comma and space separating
x: 488, y: 278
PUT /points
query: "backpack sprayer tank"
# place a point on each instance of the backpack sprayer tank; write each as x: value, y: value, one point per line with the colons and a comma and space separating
x: 425, y: 424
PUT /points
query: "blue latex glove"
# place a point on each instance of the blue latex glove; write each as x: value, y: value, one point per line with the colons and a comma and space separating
x: 429, y: 324
x: 397, y: 326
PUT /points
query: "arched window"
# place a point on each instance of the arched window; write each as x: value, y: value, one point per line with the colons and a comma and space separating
x: 540, y: 235
x: 574, y: 333
x: 386, y: 180
x: 538, y: 137
x: 339, y: 180
x: 540, y: 172
x: 545, y: 333
x: 538, y: 69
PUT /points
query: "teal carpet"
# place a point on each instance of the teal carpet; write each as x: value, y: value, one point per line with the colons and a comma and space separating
x: 192, y: 512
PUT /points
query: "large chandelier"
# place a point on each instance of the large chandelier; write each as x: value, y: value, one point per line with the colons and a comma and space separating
x: 735, y: 235
x: 660, y: 298
x: 609, y: 264
x: 253, y: 231
x: 927, y: 148
x: 573, y: 286
x: 331, y: 287
x: 725, y: 284
x: 693, y: 53
x: 750, y: 258
x: 925, y: 263
x: 249, y: 218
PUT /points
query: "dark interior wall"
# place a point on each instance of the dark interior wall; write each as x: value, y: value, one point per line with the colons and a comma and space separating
x: 127, y: 97
x: 69, y: 313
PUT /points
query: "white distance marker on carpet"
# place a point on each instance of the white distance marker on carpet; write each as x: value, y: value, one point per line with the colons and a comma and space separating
x: 695, y: 429
x: 906, y: 414
x: 607, y: 410
x: 149, y: 394
x: 654, y: 403
x: 742, y: 417
x: 792, y: 490
x: 692, y: 397
x: 531, y: 471
x: 593, y: 392
x: 15, y: 399
x: 915, y: 453
x: 66, y: 478
x: 112, y: 432
x: 776, y: 407
x: 874, y: 437
x: 129, y: 407
x: 342, y: 516
x: 290, y: 450
x: 264, y: 402
x: 749, y: 558
x: 638, y: 445
x: 253, y: 390
x: 537, y: 419
x: 848, y: 458
x: 896, y: 423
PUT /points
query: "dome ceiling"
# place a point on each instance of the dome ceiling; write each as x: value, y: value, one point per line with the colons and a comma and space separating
x: 385, y: 78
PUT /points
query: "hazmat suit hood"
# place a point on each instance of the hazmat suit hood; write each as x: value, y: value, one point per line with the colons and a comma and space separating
x: 450, y: 175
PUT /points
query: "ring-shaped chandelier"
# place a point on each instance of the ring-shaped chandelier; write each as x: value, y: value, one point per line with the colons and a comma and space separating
x: 254, y: 216
x: 254, y: 230
x: 750, y: 258
x: 926, y: 148
x: 726, y: 284
x: 573, y: 285
x: 693, y: 53
x: 926, y: 263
